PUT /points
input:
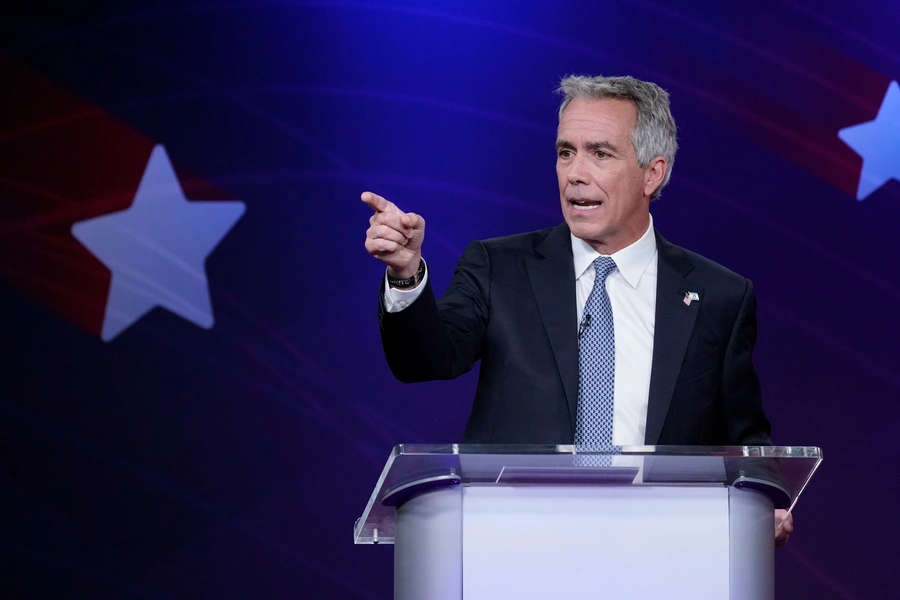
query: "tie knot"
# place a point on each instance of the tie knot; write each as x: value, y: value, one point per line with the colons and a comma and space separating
x: 603, y: 266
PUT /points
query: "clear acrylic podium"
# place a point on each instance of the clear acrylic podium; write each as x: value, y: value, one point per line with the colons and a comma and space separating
x: 478, y: 522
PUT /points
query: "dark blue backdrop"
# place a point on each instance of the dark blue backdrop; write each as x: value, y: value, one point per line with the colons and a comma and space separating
x: 176, y: 461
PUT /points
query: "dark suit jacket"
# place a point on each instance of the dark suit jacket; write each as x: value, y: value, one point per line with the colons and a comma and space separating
x: 511, y: 304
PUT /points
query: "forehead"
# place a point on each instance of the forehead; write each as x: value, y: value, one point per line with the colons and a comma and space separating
x: 609, y: 119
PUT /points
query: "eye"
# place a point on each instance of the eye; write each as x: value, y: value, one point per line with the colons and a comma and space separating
x: 601, y: 154
x: 564, y: 153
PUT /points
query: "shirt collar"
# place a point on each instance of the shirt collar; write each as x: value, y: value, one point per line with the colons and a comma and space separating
x: 631, y: 261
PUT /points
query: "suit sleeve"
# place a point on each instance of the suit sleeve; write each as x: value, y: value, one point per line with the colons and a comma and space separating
x: 440, y: 339
x: 745, y: 423
x: 743, y: 419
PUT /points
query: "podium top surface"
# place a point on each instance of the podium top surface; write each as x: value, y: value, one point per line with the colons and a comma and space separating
x: 781, y: 472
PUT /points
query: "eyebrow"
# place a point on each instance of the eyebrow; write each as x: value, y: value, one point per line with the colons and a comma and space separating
x: 592, y: 146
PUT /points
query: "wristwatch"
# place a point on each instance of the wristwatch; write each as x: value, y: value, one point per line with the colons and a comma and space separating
x: 409, y: 282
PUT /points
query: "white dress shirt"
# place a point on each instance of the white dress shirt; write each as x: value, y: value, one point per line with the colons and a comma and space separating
x: 632, y: 294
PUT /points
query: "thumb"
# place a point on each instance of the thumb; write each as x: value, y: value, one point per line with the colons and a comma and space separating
x: 413, y: 221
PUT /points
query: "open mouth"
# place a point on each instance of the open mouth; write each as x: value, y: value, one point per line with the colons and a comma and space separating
x: 585, y: 204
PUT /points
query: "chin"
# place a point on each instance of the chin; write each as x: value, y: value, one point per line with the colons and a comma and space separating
x: 583, y: 231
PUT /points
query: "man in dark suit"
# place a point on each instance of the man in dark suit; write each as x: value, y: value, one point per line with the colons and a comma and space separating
x: 600, y: 306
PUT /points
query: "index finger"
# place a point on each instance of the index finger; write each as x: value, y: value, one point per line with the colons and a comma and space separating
x: 377, y: 203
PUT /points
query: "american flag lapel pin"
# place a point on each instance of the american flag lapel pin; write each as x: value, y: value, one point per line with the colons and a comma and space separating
x: 690, y: 297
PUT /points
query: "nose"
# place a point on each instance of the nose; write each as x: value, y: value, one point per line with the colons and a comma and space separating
x: 578, y: 171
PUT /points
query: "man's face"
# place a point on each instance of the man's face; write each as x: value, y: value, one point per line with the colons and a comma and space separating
x: 605, y: 194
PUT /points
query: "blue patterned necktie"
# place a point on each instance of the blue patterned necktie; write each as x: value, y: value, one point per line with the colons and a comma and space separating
x: 596, y: 363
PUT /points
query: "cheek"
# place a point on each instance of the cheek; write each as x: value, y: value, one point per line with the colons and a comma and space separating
x: 606, y: 181
x: 635, y: 179
x: 621, y: 184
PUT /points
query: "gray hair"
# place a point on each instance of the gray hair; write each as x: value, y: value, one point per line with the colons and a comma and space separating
x: 654, y: 133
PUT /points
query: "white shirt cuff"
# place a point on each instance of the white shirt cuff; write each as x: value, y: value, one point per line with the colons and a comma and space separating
x: 396, y: 300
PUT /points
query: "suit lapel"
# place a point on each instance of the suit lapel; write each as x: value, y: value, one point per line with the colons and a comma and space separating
x: 552, y: 276
x: 673, y: 327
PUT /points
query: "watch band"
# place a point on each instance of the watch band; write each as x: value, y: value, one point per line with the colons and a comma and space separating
x: 409, y: 281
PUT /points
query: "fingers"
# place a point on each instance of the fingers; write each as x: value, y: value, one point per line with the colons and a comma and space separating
x: 378, y: 203
x: 784, y: 526
x: 393, y: 220
x: 409, y: 224
x: 383, y: 232
x: 787, y: 523
x: 386, y: 236
x: 381, y: 247
x: 381, y: 205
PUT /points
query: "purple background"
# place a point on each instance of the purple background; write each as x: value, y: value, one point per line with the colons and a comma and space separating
x: 176, y: 462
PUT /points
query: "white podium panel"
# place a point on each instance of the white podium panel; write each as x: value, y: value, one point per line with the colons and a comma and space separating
x: 621, y: 542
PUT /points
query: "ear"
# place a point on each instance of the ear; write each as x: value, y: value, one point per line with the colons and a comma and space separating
x: 654, y: 173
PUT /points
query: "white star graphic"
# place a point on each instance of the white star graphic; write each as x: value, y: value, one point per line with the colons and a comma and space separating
x: 156, y: 249
x: 878, y: 143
